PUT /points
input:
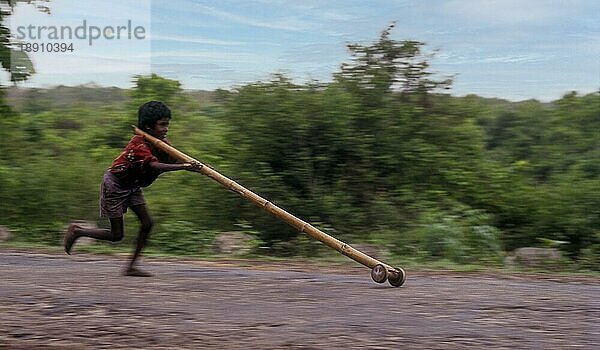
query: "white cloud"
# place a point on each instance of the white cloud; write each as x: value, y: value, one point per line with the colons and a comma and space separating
x: 314, y: 54
x: 506, y: 11
x: 213, y: 55
x: 197, y: 40
x: 287, y: 24
x: 95, y: 64
x: 445, y: 58
x: 587, y: 43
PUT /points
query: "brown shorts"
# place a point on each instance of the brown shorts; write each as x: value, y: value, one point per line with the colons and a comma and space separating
x: 116, y: 198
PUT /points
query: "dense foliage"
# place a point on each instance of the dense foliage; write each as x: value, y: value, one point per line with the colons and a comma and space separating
x: 379, y: 154
x: 16, y: 62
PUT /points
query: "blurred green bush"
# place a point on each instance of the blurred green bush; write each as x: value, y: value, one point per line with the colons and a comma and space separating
x: 423, y: 173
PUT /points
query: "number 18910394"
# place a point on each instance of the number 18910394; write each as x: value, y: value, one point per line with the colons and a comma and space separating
x: 47, y: 47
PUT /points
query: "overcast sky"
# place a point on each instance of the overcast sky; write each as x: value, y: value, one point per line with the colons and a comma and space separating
x: 505, y: 48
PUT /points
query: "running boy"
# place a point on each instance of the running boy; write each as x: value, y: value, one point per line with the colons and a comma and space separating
x: 137, y: 166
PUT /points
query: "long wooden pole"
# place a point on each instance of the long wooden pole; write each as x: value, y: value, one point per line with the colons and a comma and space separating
x: 271, y: 208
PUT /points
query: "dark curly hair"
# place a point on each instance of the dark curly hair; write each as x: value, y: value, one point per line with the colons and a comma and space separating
x: 150, y: 112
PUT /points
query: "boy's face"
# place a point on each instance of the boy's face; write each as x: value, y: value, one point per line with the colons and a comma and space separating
x: 160, y: 129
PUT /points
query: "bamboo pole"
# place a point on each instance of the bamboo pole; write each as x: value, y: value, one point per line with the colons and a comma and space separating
x: 271, y: 208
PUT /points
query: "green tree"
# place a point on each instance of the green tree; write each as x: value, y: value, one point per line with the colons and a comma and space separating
x: 14, y: 61
x: 388, y: 66
x: 363, y: 153
x: 155, y: 87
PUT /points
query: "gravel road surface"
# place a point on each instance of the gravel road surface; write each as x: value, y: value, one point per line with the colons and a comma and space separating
x: 50, y: 301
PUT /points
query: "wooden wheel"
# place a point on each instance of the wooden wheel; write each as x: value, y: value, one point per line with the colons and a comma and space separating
x: 397, y: 277
x: 379, y: 273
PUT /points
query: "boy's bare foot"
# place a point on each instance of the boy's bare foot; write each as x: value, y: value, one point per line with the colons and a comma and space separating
x: 132, y: 271
x: 70, y: 238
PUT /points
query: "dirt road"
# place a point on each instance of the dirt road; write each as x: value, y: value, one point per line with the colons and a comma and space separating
x: 82, y: 302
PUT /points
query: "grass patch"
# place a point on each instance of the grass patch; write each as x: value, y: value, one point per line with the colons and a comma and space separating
x: 334, y: 259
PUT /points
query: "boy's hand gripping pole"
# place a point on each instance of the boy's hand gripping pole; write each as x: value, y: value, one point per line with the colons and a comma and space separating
x: 380, y: 272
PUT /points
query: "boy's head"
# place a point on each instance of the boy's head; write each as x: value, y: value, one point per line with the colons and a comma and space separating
x: 151, y: 112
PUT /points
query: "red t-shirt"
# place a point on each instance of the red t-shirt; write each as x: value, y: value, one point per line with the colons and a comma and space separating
x: 132, y: 166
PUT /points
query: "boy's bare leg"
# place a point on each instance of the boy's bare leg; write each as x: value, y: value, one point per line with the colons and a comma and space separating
x: 74, y: 231
x: 145, y: 227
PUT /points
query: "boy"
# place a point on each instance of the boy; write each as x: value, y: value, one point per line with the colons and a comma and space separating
x: 137, y: 166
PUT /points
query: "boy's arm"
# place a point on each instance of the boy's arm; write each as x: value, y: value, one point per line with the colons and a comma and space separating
x: 165, y: 167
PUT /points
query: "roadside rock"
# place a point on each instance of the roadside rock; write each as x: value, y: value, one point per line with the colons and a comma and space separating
x: 5, y: 234
x: 510, y: 262
x: 232, y: 243
x: 536, y: 257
